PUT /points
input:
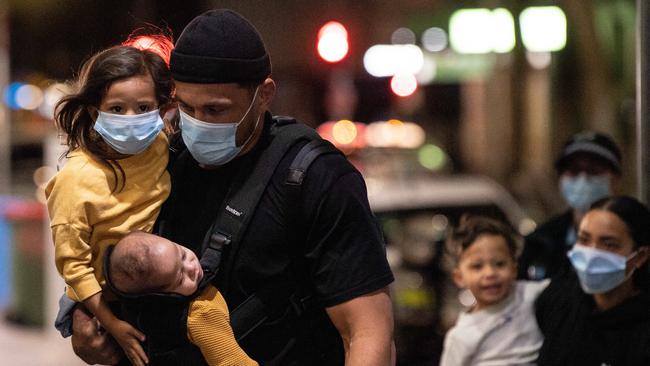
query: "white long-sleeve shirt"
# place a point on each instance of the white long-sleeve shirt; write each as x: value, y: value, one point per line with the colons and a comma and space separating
x: 502, y: 334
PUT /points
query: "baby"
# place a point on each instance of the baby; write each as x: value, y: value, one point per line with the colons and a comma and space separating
x: 144, y: 263
x: 500, y: 327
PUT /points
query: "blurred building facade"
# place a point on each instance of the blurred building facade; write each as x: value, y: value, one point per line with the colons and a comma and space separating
x: 505, y: 118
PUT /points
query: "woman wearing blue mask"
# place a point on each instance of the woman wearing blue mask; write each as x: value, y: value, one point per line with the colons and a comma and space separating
x: 600, y: 313
x: 115, y: 178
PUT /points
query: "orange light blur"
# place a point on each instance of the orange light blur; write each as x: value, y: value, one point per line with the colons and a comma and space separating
x: 346, y: 135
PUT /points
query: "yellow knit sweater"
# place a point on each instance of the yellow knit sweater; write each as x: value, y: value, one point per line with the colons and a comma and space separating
x: 208, y: 327
x: 86, y: 216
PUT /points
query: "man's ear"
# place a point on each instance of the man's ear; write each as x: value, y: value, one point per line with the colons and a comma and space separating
x: 266, y: 93
x: 457, y: 276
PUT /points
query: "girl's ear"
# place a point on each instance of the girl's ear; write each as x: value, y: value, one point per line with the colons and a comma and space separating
x: 93, y: 112
x: 457, y: 276
x: 641, y: 258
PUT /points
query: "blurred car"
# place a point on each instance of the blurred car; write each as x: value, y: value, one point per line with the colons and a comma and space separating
x: 415, y: 214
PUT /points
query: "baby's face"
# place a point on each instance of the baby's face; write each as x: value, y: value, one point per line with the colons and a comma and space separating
x: 487, y: 269
x: 177, y: 267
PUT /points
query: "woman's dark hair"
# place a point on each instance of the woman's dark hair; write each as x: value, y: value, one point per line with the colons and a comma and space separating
x: 470, y: 228
x: 72, y: 114
x: 636, y: 217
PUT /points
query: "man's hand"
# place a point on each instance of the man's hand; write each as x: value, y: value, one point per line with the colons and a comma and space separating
x: 90, y: 342
x: 366, y: 326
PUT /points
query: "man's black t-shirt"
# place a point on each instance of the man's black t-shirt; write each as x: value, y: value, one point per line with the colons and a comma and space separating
x: 329, y: 241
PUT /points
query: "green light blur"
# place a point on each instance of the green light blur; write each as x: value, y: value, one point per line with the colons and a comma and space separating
x: 479, y: 31
x: 432, y: 157
x: 543, y: 28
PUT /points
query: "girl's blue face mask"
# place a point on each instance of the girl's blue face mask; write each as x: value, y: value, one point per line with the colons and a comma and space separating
x: 598, y: 270
x: 213, y: 144
x: 129, y: 134
x: 581, y: 191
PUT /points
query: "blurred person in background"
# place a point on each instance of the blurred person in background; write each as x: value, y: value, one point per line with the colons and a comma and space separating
x: 589, y: 168
x: 599, y: 314
x: 500, y: 327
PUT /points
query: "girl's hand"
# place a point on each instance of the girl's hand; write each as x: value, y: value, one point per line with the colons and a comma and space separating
x: 129, y: 339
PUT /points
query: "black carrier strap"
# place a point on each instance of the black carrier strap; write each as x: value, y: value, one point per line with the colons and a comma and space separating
x: 258, y: 307
x: 245, y: 192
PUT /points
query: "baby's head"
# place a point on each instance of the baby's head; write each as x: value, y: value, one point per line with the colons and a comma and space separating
x: 144, y: 263
x: 484, y: 253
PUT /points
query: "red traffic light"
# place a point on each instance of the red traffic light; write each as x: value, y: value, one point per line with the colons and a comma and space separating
x: 332, y: 42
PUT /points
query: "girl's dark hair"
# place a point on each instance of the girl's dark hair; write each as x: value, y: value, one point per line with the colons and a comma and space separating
x: 470, y: 228
x: 97, y: 74
x: 636, y: 217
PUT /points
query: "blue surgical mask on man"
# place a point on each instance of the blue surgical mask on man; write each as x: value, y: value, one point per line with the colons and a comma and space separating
x: 129, y: 133
x: 598, y: 270
x: 582, y: 190
x: 213, y: 144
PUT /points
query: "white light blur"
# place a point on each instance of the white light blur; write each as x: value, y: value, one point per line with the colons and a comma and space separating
x: 395, y: 133
x: 543, y: 28
x: 477, y: 31
x: 428, y: 71
x: 384, y: 134
x: 434, y: 39
x: 526, y: 226
x: 469, y: 31
x: 539, y: 60
x: 29, y: 97
x: 51, y: 97
x: 440, y: 222
x: 403, y: 85
x: 403, y: 36
x: 466, y: 298
x: 503, y: 30
x: 413, y: 136
x: 333, y: 42
x: 388, y: 60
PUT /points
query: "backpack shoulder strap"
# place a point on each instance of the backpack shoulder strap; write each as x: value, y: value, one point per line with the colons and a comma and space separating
x: 305, y: 157
x: 247, y: 188
x: 255, y: 310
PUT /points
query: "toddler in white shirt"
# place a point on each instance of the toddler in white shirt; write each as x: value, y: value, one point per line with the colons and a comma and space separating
x: 500, y: 327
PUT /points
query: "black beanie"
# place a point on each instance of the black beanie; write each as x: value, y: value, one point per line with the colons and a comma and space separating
x: 220, y: 46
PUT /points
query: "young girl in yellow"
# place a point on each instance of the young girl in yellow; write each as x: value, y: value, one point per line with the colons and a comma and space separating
x: 115, y: 179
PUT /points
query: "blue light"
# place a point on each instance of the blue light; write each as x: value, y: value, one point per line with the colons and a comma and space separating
x: 10, y: 94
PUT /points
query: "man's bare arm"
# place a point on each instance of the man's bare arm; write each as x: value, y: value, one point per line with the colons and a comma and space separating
x: 366, y: 326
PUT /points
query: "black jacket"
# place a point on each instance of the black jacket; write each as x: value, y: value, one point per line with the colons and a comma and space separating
x: 576, y: 333
x: 544, y: 252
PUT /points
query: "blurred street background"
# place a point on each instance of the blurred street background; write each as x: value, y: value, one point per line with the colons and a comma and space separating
x: 445, y: 106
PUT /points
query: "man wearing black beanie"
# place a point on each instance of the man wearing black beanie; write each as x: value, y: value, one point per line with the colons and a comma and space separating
x: 309, y: 256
